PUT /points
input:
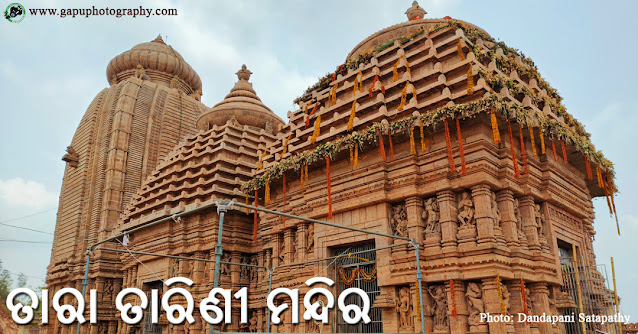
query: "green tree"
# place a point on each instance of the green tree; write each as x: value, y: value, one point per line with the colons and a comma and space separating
x: 5, y: 282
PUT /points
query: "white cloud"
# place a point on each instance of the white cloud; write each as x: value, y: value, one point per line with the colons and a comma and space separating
x: 20, y: 193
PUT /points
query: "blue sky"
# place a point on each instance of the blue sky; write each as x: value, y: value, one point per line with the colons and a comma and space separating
x: 51, y: 68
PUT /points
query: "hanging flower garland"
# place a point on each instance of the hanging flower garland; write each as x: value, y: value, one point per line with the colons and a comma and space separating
x: 432, y: 118
x: 459, y: 50
x: 496, y: 135
x: 372, y: 87
x: 314, y: 109
x: 395, y: 73
x: 524, y: 299
x: 368, y: 276
x: 353, y: 111
x: 317, y: 130
x: 347, y: 279
x: 500, y: 294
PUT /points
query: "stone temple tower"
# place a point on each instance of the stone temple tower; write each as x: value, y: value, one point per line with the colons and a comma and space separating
x: 152, y: 102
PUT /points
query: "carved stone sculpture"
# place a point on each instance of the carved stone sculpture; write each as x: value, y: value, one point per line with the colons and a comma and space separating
x: 404, y: 308
x: 243, y: 271
x: 519, y: 218
x: 252, y: 322
x: 541, y: 224
x: 399, y: 221
x: 107, y: 294
x: 253, y: 270
x: 466, y: 210
x: 431, y: 216
x: 475, y: 303
x: 437, y: 292
x: 282, y: 251
x: 506, y: 298
x: 224, y: 268
x: 140, y: 73
x: 310, y: 238
x: 496, y: 213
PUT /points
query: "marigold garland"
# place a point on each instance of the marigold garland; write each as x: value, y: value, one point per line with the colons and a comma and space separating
x: 255, y: 216
x: 395, y: 72
x: 260, y: 163
x: 606, y: 192
x: 496, y: 135
x: 285, y: 150
x: 540, y: 135
x: 267, y: 194
x: 329, y: 187
x: 332, y: 97
x: 316, y: 131
x: 459, y: 50
x: 448, y: 142
x: 470, y: 81
x: 554, y: 150
x: 453, y: 297
x: 422, y: 135
x: 368, y: 276
x: 599, y: 177
x: 311, y: 113
x: 353, y: 110
x: 513, y: 149
x: 461, y: 150
x: 562, y: 146
x: 523, y: 151
x: 532, y: 141
x: 391, y: 145
x: 382, y: 148
x: 376, y: 79
x: 356, y: 155
x: 500, y: 294
x: 588, y: 167
x: 404, y: 96
x: 412, y: 145
x: 348, y: 279
x: 358, y: 84
x: 283, y: 205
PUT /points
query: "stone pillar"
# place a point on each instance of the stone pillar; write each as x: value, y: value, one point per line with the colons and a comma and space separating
x: 235, y: 270
x: 414, y: 208
x: 198, y: 268
x: 516, y: 305
x: 529, y: 222
x: 301, y: 241
x: 492, y: 304
x: 505, y: 199
x: 482, y: 196
x: 458, y: 324
x: 539, y: 295
x: 449, y: 225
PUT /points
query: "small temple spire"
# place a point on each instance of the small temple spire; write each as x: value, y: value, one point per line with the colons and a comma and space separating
x: 415, y: 12
x: 159, y: 39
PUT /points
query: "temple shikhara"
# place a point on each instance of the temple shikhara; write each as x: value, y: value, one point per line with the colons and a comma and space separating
x: 431, y: 134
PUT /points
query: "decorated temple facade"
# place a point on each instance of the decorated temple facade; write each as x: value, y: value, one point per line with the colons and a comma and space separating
x: 430, y: 131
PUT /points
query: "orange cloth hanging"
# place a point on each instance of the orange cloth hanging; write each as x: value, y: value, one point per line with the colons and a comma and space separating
x: 514, y: 159
x: 283, y: 209
x: 329, y: 187
x: 613, y: 205
x: 255, y: 217
x: 382, y: 148
x: 353, y: 110
x: 523, y: 151
x: 391, y: 146
x: 496, y: 135
x: 461, y: 150
x: 448, y: 142
x: 356, y: 155
x: 599, y: 177
x: 606, y: 192
x: 562, y: 146
x: 554, y: 150
x: 247, y: 202
x: 453, y: 297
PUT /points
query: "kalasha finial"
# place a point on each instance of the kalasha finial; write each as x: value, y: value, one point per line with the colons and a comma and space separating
x: 415, y: 12
x: 159, y: 39
x: 244, y: 73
